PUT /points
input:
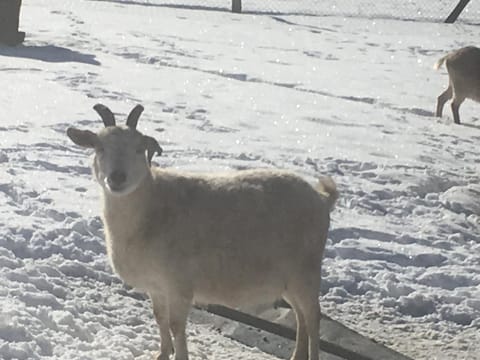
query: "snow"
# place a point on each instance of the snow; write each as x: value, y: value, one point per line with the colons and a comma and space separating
x: 348, y: 97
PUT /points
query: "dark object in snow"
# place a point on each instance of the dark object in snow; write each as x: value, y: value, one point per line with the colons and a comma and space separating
x: 9, y: 21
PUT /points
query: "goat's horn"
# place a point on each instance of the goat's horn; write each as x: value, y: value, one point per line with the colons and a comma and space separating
x: 133, y: 116
x: 106, y: 114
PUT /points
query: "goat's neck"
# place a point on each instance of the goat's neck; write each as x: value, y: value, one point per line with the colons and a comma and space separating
x: 125, y: 215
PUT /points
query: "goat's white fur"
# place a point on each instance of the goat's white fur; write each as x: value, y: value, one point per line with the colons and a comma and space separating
x: 235, y: 239
x: 463, y: 66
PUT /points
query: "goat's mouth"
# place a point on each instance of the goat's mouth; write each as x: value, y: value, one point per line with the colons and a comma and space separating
x: 119, y: 190
x: 116, y: 188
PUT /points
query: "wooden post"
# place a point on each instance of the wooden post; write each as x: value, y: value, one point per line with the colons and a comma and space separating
x: 9, y: 19
x: 237, y: 6
x: 457, y: 11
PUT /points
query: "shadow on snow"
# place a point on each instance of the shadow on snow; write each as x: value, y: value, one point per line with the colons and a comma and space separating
x: 48, y: 53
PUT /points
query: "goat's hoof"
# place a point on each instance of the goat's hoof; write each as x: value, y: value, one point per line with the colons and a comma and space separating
x: 299, y: 356
x: 161, y: 356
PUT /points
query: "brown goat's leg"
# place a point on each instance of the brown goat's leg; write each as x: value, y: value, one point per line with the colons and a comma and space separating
x: 442, y: 99
x: 304, y: 294
x: 312, y: 322
x: 457, y: 101
x: 160, y: 311
x: 301, y: 343
x: 179, y: 307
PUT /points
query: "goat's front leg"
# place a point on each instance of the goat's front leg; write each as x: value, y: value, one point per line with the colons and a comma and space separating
x: 456, y: 102
x: 160, y: 310
x: 179, y: 303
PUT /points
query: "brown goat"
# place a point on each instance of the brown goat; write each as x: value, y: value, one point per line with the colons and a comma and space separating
x: 463, y: 66
x: 236, y: 238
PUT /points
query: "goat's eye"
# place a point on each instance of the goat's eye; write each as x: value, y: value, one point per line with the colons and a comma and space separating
x: 99, y: 150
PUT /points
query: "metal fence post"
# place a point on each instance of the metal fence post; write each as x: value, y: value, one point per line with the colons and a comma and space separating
x: 457, y: 11
x: 237, y: 6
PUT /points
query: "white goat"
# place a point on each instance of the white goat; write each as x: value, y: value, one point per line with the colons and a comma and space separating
x: 235, y: 239
x: 463, y: 66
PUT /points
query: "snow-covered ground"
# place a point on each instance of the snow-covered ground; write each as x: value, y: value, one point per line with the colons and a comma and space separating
x: 351, y: 98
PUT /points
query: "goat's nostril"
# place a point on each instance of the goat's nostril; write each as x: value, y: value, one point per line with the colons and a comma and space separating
x: 117, y: 178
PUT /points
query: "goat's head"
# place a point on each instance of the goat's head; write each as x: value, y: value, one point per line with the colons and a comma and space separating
x: 122, y: 154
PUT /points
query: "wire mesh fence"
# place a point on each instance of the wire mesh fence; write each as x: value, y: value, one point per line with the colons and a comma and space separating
x: 429, y: 10
x: 398, y: 9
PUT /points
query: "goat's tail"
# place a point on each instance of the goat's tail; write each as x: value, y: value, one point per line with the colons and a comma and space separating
x: 327, y: 187
x: 440, y: 62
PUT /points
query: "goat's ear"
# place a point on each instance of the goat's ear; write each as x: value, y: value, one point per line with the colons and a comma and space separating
x: 152, y: 148
x: 84, y: 138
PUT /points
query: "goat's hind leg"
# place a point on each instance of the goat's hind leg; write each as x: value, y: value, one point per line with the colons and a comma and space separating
x: 311, y: 312
x: 304, y: 298
x: 442, y: 99
x: 301, y: 343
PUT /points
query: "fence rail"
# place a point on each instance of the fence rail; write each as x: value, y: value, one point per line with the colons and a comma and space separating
x: 336, y: 339
x: 282, y: 331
